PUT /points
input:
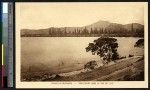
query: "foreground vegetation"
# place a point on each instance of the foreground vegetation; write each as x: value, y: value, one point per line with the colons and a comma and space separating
x: 131, y: 69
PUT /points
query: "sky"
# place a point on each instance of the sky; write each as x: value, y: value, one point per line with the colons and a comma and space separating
x: 45, y: 15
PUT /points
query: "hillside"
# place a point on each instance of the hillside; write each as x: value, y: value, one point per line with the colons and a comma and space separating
x: 99, y: 24
x: 123, y: 70
x: 96, y: 29
x: 135, y: 26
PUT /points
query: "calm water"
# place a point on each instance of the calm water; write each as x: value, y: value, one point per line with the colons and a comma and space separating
x: 47, y: 53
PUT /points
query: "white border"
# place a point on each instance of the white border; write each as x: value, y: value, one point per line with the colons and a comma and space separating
x: 103, y: 84
x: 5, y: 7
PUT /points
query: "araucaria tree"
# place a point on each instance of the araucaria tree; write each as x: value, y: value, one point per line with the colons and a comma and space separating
x: 105, y: 47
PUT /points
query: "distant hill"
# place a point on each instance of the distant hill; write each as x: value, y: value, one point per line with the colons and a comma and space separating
x: 114, y: 26
x: 99, y: 24
x: 95, y: 29
x: 135, y: 26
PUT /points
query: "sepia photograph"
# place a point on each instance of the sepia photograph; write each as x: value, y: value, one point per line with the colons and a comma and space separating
x: 81, y: 42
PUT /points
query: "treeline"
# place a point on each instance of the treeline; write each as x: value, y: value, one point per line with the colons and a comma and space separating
x: 59, y: 32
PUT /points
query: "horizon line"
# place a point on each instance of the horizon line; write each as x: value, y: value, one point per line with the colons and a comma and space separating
x: 81, y: 26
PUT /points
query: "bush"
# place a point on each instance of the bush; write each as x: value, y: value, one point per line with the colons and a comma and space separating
x: 90, y: 65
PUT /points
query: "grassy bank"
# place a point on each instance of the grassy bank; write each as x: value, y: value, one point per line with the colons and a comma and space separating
x: 123, y: 70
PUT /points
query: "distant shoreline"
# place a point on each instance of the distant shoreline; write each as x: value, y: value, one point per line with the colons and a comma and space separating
x: 83, y: 35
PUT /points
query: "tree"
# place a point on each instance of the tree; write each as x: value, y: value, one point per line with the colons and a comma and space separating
x: 50, y: 31
x: 104, y: 47
x: 91, y: 32
x: 139, y: 43
x: 85, y: 31
x: 65, y: 32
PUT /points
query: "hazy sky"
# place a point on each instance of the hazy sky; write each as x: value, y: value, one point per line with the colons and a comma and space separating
x: 45, y: 15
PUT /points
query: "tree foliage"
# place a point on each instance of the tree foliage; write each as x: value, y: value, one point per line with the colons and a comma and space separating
x: 104, y: 47
x: 139, y: 43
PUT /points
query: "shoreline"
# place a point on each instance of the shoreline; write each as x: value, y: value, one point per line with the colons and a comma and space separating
x: 76, y: 75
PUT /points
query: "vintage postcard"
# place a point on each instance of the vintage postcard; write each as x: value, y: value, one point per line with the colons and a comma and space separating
x: 81, y: 45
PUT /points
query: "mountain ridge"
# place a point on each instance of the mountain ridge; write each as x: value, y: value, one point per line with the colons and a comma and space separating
x: 98, y: 24
x: 99, y: 27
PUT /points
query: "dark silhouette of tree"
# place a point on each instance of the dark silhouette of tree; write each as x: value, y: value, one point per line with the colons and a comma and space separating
x: 65, y: 32
x: 139, y: 43
x: 69, y: 32
x: 102, y: 31
x: 104, y: 47
x: 53, y: 31
x: 85, y: 31
x: 91, y: 32
x: 78, y: 31
x: 75, y: 31
x: 50, y: 31
x: 95, y: 31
